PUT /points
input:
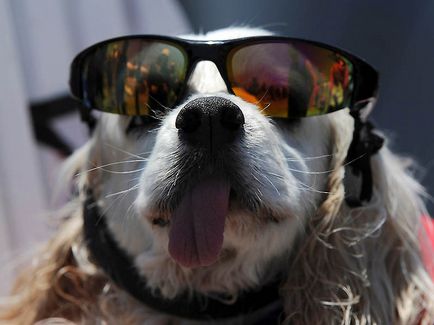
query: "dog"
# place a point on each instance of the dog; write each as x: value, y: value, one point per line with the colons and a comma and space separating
x: 264, y: 223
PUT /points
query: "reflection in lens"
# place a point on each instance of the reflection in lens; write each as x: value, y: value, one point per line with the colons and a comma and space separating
x: 133, y: 77
x: 293, y: 79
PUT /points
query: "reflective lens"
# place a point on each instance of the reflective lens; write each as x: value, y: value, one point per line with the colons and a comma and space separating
x: 291, y: 79
x: 131, y: 76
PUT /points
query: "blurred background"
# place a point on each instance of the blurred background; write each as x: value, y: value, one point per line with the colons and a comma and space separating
x: 40, y: 127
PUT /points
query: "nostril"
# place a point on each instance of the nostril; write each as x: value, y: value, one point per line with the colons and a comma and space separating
x: 232, y: 118
x: 209, y: 123
x: 188, y: 120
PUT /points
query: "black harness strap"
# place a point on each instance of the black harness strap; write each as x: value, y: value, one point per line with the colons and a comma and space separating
x: 119, y: 267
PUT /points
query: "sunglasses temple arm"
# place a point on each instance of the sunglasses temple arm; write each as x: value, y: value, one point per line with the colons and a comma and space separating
x: 366, y: 143
x: 362, y: 108
x: 87, y: 117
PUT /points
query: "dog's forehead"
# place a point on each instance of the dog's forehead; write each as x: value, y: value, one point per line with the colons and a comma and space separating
x: 228, y: 33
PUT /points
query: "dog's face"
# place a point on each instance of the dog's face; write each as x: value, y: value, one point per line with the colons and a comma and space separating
x: 224, y: 211
x: 214, y: 182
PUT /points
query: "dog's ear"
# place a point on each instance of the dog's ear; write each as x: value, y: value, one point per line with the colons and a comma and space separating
x: 317, y: 256
x: 332, y: 274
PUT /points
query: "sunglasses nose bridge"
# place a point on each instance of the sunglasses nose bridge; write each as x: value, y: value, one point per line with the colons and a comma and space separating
x: 207, y: 73
x: 210, y: 53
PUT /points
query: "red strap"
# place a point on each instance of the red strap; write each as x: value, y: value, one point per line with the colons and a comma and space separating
x: 426, y: 239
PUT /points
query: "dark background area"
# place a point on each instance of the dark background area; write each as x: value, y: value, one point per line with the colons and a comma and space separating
x: 396, y: 37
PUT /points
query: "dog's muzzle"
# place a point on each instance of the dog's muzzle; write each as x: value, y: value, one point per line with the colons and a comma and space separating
x: 210, y: 123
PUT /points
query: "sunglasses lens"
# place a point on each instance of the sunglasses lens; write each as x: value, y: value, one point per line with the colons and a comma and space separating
x: 291, y: 79
x: 133, y: 76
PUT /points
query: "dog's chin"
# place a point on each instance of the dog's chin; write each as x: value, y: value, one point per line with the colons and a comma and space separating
x: 201, y: 212
x: 207, y: 212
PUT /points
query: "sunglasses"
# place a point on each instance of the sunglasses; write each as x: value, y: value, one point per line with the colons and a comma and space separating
x: 284, y: 77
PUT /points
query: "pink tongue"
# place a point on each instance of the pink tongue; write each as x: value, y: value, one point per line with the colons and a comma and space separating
x: 197, y: 224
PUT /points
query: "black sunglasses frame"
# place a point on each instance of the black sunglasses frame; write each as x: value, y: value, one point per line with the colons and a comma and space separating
x: 365, y: 77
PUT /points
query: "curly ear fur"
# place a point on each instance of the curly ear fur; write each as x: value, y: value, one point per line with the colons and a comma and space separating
x: 61, y: 284
x: 362, y: 265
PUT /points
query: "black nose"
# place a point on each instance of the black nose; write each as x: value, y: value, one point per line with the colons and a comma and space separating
x: 210, y: 122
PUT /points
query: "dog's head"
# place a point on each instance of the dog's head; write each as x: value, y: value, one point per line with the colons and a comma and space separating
x: 213, y: 188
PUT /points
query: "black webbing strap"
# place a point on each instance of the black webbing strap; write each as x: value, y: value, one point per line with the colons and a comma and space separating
x: 119, y: 267
x: 365, y: 143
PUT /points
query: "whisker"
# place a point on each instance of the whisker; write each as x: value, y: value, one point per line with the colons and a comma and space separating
x: 124, y: 151
x: 265, y: 107
x: 145, y: 153
x: 276, y: 175
x: 325, y: 171
x: 355, y: 159
x: 257, y: 179
x: 311, y: 172
x: 263, y: 96
x: 311, y: 189
x: 116, y: 199
x: 159, y: 103
x: 123, y: 172
x: 123, y: 191
x: 275, y: 188
x: 309, y: 158
x: 127, y: 215
x: 173, y: 183
x: 111, y: 164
